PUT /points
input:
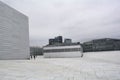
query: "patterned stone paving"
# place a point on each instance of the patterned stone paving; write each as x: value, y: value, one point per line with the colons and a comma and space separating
x: 59, y: 69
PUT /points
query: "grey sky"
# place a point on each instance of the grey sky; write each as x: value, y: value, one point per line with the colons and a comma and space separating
x: 81, y: 20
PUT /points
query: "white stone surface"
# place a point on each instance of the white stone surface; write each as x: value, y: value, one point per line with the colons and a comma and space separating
x: 60, y: 69
x: 109, y: 56
x: 14, y: 34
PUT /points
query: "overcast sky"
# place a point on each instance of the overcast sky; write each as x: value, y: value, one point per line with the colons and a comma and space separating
x: 80, y: 20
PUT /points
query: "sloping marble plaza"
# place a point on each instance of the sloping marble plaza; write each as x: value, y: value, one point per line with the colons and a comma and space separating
x: 60, y: 69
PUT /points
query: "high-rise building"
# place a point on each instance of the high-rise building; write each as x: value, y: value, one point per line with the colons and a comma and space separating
x: 67, y: 41
x: 14, y: 34
x: 56, y: 40
x: 51, y: 41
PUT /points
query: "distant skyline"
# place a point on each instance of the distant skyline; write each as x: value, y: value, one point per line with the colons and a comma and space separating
x: 80, y: 20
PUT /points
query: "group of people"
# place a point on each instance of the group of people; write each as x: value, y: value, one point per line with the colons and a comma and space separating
x: 33, y: 56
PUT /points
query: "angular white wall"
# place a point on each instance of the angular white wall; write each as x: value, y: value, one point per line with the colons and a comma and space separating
x: 14, y: 34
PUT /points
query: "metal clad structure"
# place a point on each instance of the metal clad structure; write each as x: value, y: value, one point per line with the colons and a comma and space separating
x: 66, y: 51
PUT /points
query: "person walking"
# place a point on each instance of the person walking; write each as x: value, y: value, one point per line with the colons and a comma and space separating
x: 30, y: 56
x: 34, y: 56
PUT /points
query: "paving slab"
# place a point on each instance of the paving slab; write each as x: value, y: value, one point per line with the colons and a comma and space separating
x: 59, y: 69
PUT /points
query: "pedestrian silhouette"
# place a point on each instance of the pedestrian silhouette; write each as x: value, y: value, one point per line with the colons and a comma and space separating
x: 34, y: 56
x: 31, y: 56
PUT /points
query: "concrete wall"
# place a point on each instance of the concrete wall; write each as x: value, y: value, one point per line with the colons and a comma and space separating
x: 105, y: 56
x: 14, y: 34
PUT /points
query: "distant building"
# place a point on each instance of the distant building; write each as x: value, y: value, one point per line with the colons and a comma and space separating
x: 63, y: 51
x: 67, y: 41
x: 51, y: 41
x: 105, y: 44
x: 58, y: 49
x: 56, y: 40
x: 36, y: 51
x: 14, y: 34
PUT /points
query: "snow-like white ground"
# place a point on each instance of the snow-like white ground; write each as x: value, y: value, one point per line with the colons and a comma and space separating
x: 93, y: 66
x: 109, y: 56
